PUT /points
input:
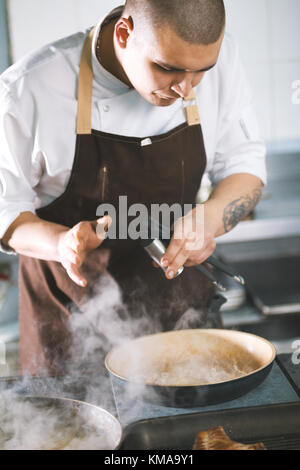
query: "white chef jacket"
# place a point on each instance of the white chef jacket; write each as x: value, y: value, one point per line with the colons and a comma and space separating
x: 38, y: 110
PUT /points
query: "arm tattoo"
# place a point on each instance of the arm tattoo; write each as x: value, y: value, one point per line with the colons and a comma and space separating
x: 239, y: 209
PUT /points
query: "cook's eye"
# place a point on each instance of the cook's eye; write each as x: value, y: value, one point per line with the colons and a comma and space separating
x: 164, y: 69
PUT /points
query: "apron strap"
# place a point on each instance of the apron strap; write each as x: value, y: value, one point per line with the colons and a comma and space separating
x: 85, y: 88
x: 191, y: 109
x: 85, y: 92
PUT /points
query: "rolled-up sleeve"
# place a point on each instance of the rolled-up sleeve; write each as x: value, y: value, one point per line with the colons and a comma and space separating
x: 16, y: 144
x: 239, y: 148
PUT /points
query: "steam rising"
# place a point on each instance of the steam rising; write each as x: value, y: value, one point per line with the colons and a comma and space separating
x: 102, y: 323
x: 49, y: 424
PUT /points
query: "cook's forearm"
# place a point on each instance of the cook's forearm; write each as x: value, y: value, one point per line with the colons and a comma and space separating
x: 31, y: 236
x: 232, y: 200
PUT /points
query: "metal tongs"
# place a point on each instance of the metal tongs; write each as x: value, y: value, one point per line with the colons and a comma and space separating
x: 221, y: 267
x: 155, y: 248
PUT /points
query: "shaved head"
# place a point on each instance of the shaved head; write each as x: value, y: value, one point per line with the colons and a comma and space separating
x: 194, y: 21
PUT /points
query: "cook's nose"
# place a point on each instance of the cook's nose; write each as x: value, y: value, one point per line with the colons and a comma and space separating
x: 184, y: 87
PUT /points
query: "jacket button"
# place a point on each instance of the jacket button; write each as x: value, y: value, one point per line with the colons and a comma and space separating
x: 106, y: 108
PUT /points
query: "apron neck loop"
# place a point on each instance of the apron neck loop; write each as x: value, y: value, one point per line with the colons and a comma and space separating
x: 85, y: 93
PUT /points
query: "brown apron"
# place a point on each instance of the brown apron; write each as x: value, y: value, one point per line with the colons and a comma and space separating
x: 169, y: 170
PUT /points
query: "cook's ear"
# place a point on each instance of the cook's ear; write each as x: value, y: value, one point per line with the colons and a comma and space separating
x: 123, y: 30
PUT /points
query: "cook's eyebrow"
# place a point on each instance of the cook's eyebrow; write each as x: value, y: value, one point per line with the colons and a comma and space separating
x: 176, y: 69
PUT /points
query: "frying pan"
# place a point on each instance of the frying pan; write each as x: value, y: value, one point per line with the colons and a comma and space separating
x: 44, y: 423
x: 190, y: 368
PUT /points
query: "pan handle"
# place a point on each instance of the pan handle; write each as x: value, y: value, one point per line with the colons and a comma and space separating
x: 213, y: 310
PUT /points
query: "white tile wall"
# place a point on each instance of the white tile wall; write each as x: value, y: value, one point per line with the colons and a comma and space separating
x: 268, y: 34
x: 34, y: 23
x: 247, y: 20
x: 267, y: 31
x: 285, y: 36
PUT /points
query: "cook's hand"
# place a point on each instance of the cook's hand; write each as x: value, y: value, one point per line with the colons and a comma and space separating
x: 193, y: 241
x: 76, y: 243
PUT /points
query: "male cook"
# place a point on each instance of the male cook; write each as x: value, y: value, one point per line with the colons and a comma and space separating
x: 108, y: 113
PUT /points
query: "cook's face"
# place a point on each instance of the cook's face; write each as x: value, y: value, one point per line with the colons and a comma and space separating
x: 162, y: 67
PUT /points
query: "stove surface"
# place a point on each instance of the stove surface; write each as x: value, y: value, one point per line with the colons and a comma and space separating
x: 276, y: 389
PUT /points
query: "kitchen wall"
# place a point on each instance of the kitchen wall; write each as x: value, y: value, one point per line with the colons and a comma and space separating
x: 267, y: 31
x: 269, y: 37
x: 37, y: 22
x: 4, y: 46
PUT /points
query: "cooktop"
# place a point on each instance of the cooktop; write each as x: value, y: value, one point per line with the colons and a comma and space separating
x: 275, y: 389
